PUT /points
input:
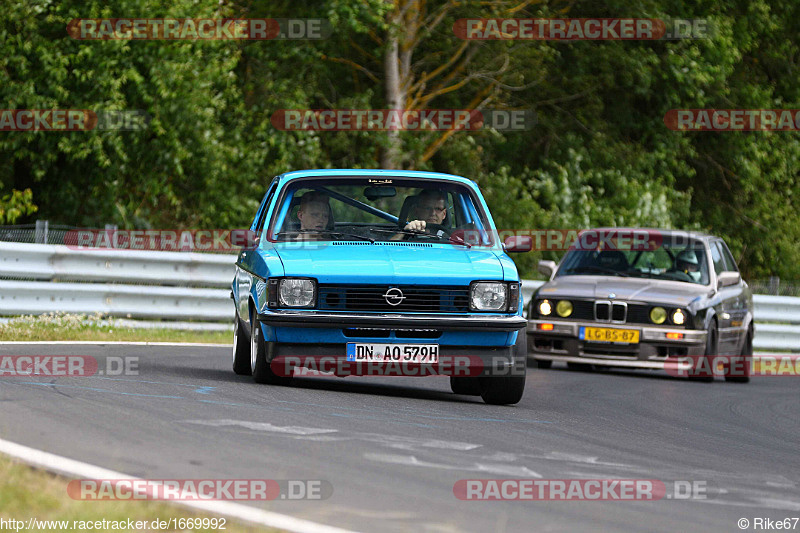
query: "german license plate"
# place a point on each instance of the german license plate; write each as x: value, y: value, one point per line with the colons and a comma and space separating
x: 620, y: 336
x: 403, y: 353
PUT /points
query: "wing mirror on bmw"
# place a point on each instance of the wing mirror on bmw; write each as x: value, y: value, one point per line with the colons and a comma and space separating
x: 725, y: 279
x: 546, y: 268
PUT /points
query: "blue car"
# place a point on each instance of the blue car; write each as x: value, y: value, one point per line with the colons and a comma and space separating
x: 357, y: 272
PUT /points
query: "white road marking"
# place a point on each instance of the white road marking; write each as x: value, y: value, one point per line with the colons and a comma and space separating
x: 263, y: 426
x: 118, y: 343
x: 324, y: 435
x: 77, y: 469
x: 410, y: 460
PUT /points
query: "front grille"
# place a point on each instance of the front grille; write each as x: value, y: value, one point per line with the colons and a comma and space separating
x: 416, y: 298
x: 584, y: 310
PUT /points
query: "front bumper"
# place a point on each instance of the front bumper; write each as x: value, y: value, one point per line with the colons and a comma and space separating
x: 309, y: 318
x: 562, y: 343
x: 464, y: 361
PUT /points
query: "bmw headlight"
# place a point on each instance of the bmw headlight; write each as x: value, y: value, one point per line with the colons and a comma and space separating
x: 564, y: 308
x: 678, y: 317
x: 545, y: 308
x: 488, y: 296
x: 293, y: 292
x: 658, y: 315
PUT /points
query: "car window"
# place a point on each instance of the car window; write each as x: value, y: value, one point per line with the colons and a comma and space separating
x: 716, y: 257
x: 262, y: 214
x: 377, y: 209
x: 727, y: 257
x: 675, y: 259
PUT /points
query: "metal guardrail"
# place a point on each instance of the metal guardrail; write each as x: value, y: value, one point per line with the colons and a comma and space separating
x: 62, y: 263
x: 191, y: 286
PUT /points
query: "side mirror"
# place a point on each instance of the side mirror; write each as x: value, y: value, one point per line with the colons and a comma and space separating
x: 726, y: 279
x: 244, y: 239
x: 518, y: 243
x: 546, y: 268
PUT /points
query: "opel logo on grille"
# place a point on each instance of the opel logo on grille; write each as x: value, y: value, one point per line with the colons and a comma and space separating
x: 394, y: 296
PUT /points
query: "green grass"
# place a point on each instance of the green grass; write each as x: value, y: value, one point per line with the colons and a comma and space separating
x: 27, y: 492
x: 72, y: 327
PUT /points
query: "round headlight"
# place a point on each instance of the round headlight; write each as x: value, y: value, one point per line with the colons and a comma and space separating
x: 658, y: 315
x: 678, y: 317
x: 545, y: 308
x: 564, y: 308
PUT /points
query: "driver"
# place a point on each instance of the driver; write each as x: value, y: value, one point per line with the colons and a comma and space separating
x: 430, y: 208
x: 687, y: 263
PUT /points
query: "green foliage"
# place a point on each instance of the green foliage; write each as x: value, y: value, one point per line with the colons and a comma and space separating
x: 600, y: 153
x: 15, y: 205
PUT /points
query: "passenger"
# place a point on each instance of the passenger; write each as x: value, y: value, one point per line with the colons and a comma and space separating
x: 314, y: 214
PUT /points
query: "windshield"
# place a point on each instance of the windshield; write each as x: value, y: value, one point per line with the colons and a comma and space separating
x: 676, y: 258
x: 376, y: 209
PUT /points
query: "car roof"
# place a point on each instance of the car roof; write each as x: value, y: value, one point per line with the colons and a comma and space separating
x: 670, y: 232
x: 358, y: 172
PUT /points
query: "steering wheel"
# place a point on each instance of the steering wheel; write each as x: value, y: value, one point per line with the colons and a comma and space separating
x: 677, y: 275
x: 436, y: 228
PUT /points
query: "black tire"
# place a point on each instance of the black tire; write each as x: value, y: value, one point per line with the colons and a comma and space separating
x: 706, y: 375
x: 745, y: 361
x: 259, y: 362
x: 543, y: 363
x: 465, y: 386
x: 241, y: 349
x: 580, y: 367
x: 507, y: 390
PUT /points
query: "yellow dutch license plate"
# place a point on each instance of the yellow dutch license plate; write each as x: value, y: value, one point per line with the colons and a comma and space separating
x: 627, y: 336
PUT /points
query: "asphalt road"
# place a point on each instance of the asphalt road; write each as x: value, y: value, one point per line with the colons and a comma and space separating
x: 393, y: 448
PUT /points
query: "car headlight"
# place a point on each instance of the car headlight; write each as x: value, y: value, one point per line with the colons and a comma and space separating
x: 678, y: 317
x: 488, y: 296
x: 294, y: 292
x: 658, y: 315
x: 545, y: 308
x: 564, y: 308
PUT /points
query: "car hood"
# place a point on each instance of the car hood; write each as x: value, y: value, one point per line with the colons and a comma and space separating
x: 391, y: 263
x: 627, y: 289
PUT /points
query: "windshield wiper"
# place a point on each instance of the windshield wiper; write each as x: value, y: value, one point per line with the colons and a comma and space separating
x: 406, y: 232
x: 327, y: 232
x: 597, y: 269
x: 450, y: 238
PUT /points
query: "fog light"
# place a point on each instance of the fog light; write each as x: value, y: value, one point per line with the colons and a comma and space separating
x: 658, y: 315
x: 564, y: 308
